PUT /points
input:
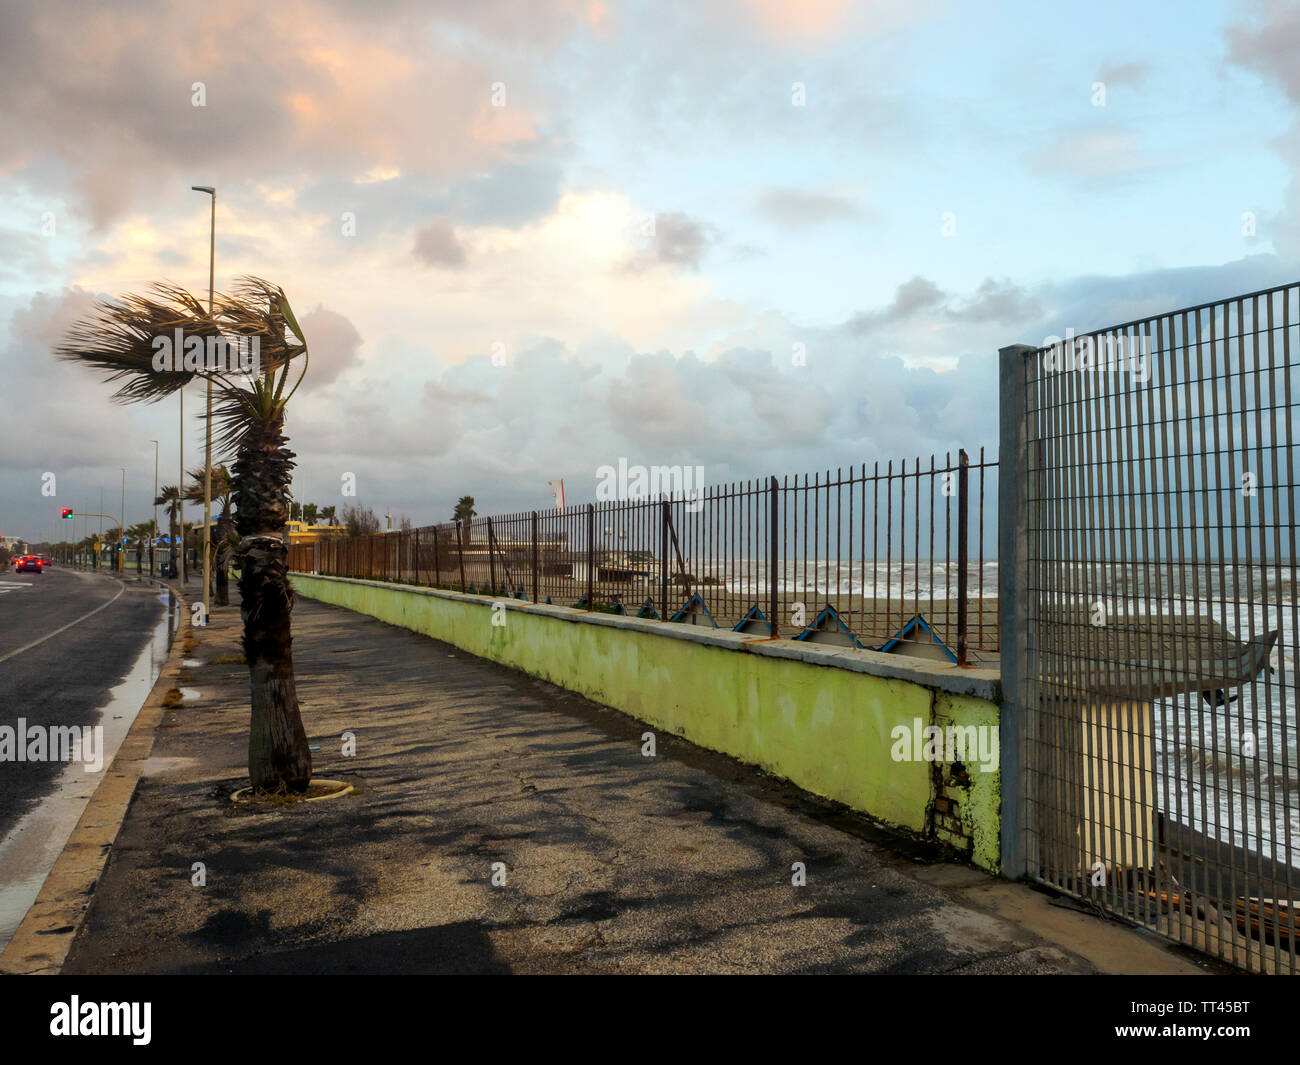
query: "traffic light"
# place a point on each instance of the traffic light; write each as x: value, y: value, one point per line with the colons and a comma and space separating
x: 67, y: 512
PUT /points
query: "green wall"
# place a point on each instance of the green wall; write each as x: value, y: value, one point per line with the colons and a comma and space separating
x: 827, y: 730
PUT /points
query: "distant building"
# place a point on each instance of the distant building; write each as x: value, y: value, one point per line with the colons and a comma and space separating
x: 302, y: 533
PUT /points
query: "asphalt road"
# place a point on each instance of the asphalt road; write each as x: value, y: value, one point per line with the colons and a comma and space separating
x: 83, y: 631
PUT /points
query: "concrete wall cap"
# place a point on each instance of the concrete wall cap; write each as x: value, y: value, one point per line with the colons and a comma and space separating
x: 942, y: 676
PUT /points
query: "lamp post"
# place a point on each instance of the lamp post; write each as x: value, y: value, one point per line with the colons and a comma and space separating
x: 153, y: 533
x: 180, y: 502
x: 207, y: 448
x: 121, y: 526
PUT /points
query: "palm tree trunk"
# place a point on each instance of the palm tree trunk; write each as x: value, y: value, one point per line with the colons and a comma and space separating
x: 277, y: 743
x: 174, y: 563
x: 221, y: 591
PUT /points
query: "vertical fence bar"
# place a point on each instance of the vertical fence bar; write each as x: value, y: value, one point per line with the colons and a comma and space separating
x: 535, y: 565
x: 663, y: 554
x: 963, y: 462
x: 1013, y: 585
x: 492, y: 559
x: 591, y: 556
x: 773, y: 555
x: 460, y: 551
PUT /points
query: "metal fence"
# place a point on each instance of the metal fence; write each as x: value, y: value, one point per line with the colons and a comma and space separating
x: 882, y: 557
x: 1154, y: 639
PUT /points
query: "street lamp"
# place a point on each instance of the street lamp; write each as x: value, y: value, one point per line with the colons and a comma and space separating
x: 153, y: 533
x: 121, y: 525
x: 207, y: 450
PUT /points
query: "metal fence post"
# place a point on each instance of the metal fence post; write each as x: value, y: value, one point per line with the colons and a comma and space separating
x: 492, y: 560
x: 1013, y: 599
x: 535, y: 567
x: 963, y: 500
x: 591, y: 556
x: 437, y: 563
x: 460, y: 550
x: 773, y: 555
x: 663, y: 553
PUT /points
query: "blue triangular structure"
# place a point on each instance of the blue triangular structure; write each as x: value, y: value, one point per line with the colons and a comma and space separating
x: 830, y: 621
x: 917, y: 622
x: 754, y: 621
x: 648, y: 610
x: 686, y: 612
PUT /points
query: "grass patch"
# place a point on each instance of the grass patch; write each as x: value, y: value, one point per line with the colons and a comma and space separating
x: 228, y: 660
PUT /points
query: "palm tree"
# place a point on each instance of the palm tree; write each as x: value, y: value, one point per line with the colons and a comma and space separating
x: 86, y: 545
x: 170, y: 497
x: 310, y: 512
x: 223, y: 541
x: 463, y: 515
x: 139, y: 534
x: 330, y: 514
x: 118, y: 339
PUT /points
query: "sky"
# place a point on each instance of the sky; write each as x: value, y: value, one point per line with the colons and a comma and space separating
x: 528, y: 239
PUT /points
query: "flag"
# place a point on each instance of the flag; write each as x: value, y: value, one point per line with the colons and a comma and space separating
x: 557, y: 490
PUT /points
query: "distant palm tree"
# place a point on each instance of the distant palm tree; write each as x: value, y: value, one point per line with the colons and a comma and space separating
x: 463, y: 515
x: 170, y: 497
x: 310, y: 513
x: 330, y: 514
x: 139, y: 534
x: 223, y: 539
x: 118, y: 339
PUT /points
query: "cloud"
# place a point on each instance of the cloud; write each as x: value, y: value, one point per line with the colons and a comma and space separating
x: 678, y: 240
x: 911, y: 297
x: 334, y: 344
x: 436, y: 244
x: 1266, y: 42
x: 1088, y: 156
x: 348, y: 94
x: 1123, y: 73
x: 818, y: 21
x: 796, y: 208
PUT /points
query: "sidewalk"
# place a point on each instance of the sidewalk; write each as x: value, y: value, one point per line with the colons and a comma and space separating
x: 615, y: 862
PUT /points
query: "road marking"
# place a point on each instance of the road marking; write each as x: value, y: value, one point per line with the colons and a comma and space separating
x: 10, y: 586
x: 34, y: 643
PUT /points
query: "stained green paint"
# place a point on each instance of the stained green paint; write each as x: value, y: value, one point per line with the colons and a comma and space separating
x: 979, y: 803
x: 824, y: 729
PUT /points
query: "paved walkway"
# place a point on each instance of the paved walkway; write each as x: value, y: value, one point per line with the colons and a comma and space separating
x: 614, y: 862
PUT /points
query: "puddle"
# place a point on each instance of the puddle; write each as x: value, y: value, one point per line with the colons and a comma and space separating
x: 32, y: 846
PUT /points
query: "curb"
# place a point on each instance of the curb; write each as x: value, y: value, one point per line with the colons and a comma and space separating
x: 41, y: 944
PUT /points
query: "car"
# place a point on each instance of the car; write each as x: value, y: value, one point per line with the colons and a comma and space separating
x: 28, y: 564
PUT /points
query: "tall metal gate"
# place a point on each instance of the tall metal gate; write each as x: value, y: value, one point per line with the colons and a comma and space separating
x: 1150, y: 626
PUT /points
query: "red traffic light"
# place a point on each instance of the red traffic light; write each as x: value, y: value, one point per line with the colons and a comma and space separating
x: 67, y: 512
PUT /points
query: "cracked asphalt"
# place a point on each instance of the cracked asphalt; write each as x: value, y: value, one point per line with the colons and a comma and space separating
x: 613, y: 862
